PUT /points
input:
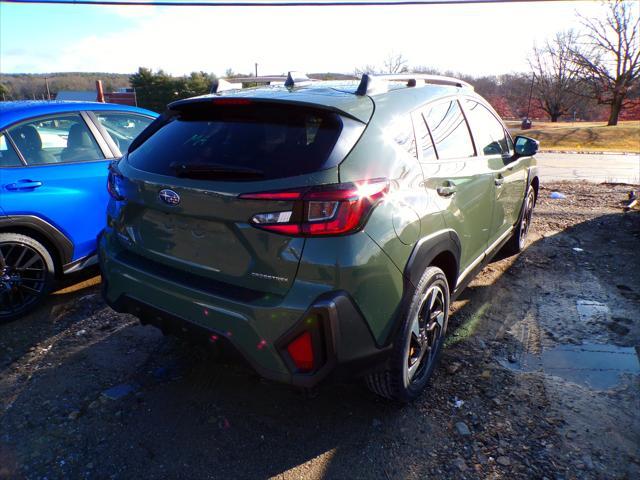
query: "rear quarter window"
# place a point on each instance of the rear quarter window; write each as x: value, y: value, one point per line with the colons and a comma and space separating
x: 279, y: 141
x: 8, y: 156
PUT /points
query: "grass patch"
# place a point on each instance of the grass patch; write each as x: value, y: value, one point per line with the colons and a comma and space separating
x: 584, y: 136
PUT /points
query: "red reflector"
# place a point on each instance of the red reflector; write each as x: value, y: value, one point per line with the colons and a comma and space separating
x: 301, y: 352
x: 272, y: 196
x: 231, y: 101
x: 285, y: 229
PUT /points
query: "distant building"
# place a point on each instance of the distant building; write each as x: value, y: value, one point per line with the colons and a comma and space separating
x: 78, y: 96
x: 123, y: 96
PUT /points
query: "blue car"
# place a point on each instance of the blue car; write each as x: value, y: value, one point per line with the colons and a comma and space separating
x: 54, y: 159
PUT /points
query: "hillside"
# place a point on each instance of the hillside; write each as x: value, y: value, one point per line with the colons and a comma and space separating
x: 32, y: 85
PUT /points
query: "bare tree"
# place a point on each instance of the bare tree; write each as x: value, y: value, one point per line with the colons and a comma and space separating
x: 424, y: 69
x: 555, y: 75
x: 395, y: 63
x: 609, y: 56
x: 368, y: 68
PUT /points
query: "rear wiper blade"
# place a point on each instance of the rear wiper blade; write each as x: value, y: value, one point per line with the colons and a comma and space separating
x: 213, y: 170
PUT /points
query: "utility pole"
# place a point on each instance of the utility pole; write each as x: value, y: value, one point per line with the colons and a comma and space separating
x: 533, y: 79
x: 256, y: 64
x: 46, y: 82
x: 526, y: 123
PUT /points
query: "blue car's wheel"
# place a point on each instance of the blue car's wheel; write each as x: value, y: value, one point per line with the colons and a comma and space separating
x: 26, y: 274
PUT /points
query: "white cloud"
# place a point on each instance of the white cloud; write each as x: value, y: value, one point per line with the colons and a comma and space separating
x: 469, y: 38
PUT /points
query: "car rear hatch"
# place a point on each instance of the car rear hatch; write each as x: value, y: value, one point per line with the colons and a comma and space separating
x: 182, y: 183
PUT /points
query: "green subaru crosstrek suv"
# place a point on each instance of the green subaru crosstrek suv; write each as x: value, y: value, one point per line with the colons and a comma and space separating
x: 318, y: 228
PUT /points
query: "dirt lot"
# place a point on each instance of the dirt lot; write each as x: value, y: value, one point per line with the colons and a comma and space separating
x: 540, y: 379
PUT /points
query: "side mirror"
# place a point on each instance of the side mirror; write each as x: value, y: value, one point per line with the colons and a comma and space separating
x: 525, y: 146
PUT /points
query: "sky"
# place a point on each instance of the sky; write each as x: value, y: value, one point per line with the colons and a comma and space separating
x: 476, y: 39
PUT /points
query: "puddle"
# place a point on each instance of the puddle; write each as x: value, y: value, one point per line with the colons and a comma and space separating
x: 589, y: 310
x: 595, y: 366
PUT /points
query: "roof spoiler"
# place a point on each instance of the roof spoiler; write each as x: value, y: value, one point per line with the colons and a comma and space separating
x: 293, y: 79
x: 372, y: 84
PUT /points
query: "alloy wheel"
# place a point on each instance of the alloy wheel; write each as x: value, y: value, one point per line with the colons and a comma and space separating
x: 426, y: 334
x: 526, y: 219
x: 23, y: 277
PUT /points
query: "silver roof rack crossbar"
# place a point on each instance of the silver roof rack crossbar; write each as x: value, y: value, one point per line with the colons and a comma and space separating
x: 372, y: 84
x: 293, y: 79
x: 222, y: 85
x: 267, y: 79
x: 297, y: 79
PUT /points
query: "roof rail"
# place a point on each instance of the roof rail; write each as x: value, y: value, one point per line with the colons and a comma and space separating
x: 372, y: 84
x: 293, y: 79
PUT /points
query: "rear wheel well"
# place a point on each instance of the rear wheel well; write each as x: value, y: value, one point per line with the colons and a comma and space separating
x: 48, y: 244
x: 446, y: 262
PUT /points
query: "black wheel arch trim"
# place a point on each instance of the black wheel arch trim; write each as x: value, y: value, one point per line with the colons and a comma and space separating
x: 532, y: 174
x: 427, y: 249
x: 422, y: 256
x: 62, y: 244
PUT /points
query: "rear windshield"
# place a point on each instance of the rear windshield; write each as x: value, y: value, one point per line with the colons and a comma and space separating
x: 274, y: 141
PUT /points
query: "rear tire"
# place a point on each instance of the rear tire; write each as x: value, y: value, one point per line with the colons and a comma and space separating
x: 518, y: 240
x: 27, y: 273
x: 418, y: 343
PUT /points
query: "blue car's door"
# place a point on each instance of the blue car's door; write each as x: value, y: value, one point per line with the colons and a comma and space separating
x: 63, y: 181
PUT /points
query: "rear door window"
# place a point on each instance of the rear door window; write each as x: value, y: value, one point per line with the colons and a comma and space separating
x: 122, y: 127
x: 449, y: 130
x: 55, y: 139
x: 274, y: 141
x: 488, y: 132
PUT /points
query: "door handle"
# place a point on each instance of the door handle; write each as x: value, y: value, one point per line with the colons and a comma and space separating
x: 446, y: 191
x: 24, y: 185
x: 498, y: 181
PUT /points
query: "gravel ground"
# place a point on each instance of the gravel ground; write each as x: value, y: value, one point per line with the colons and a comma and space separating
x: 538, y: 380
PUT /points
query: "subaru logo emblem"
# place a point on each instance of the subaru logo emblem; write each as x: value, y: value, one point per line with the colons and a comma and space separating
x: 169, y: 197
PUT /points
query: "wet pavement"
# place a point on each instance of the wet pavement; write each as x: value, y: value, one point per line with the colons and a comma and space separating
x: 596, y: 366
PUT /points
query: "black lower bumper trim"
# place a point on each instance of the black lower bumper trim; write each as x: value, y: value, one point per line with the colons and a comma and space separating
x: 349, y: 348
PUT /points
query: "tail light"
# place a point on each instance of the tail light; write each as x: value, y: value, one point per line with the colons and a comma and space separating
x: 113, y: 185
x: 328, y: 210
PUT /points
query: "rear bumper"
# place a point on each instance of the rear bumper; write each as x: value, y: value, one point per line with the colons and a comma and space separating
x: 259, y: 331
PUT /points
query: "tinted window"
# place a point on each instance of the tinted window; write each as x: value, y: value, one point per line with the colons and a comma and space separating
x: 122, y: 127
x: 401, y: 132
x: 449, y: 130
x: 277, y: 141
x: 488, y: 132
x: 424, y: 139
x: 55, y: 139
x: 8, y: 156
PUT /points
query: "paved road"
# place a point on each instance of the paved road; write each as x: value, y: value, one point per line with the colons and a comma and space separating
x: 591, y: 167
